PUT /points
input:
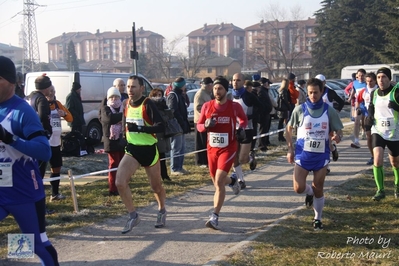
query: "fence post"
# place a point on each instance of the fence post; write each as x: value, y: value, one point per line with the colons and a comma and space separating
x: 73, y: 191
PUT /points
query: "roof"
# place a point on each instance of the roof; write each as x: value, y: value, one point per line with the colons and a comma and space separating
x: 4, y: 46
x: 215, y: 30
x: 280, y: 24
x: 219, y: 61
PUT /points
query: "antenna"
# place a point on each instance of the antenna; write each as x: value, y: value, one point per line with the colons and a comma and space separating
x: 30, y: 43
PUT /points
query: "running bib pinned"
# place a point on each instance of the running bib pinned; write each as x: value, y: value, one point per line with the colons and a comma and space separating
x: 314, y: 145
x: 218, y: 140
x: 6, y: 174
x: 386, y: 124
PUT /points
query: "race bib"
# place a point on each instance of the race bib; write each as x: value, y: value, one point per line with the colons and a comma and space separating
x: 218, y: 140
x: 6, y: 174
x: 386, y: 124
x: 315, y: 145
x: 138, y: 121
x: 55, y: 122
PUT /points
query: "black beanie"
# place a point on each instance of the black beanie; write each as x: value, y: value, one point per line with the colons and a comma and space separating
x: 291, y: 76
x: 42, y: 82
x: 385, y: 71
x: 76, y: 86
x: 224, y: 82
x: 7, y: 70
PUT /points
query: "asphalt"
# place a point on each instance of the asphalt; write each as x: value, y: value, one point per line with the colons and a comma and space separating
x: 185, y: 240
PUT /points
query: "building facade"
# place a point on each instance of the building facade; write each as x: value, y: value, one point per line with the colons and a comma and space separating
x: 16, y: 54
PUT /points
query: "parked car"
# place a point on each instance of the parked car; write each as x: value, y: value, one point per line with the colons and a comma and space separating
x: 159, y: 85
x: 192, y: 86
x: 190, y: 108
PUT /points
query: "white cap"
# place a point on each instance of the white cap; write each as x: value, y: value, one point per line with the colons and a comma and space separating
x: 321, y: 77
x: 113, y: 91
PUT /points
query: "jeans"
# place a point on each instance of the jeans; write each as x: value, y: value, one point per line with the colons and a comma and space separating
x: 177, y: 144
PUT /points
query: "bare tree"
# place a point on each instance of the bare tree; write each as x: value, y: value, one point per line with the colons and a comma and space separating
x: 193, y: 64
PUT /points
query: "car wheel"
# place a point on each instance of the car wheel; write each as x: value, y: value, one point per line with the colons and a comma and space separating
x: 94, y: 131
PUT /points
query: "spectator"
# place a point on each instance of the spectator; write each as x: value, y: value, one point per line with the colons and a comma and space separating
x: 163, y: 144
x: 111, y: 112
x: 302, y: 93
x: 176, y: 102
x: 202, y: 96
x: 23, y: 142
x: 121, y: 86
x: 74, y: 105
x: 293, y: 93
x: 19, y: 86
x: 255, y: 118
x: 57, y: 110
x: 264, y: 117
x: 283, y: 107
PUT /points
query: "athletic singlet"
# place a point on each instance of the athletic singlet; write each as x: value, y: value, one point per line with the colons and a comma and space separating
x: 313, y: 137
x: 386, y: 122
x: 222, y: 135
x: 358, y: 86
x: 247, y: 106
x: 55, y: 122
x: 325, y: 97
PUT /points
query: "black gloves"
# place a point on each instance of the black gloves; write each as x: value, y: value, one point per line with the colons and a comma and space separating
x: 5, y: 136
x: 133, y: 127
x: 358, y: 111
x: 393, y: 105
x: 369, y: 121
x: 240, y: 134
x: 210, y: 122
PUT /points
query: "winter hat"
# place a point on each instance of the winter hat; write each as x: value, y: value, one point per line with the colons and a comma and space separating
x: 42, y: 82
x: 301, y: 82
x: 113, y: 91
x: 265, y: 80
x: 179, y: 84
x: 222, y: 81
x: 321, y: 77
x: 207, y: 81
x: 7, y: 70
x: 76, y: 86
x: 385, y: 71
x: 256, y: 84
x: 291, y: 76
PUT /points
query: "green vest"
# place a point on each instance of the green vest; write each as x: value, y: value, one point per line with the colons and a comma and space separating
x: 138, y: 115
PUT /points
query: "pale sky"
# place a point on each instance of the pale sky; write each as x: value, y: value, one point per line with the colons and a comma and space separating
x: 170, y: 18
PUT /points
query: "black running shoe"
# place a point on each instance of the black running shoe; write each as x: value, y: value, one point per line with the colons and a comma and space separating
x: 252, y: 160
x: 309, y: 200
x: 317, y: 225
x: 242, y: 184
x: 335, y: 154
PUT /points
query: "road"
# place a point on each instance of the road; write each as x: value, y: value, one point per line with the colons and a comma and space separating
x: 185, y: 240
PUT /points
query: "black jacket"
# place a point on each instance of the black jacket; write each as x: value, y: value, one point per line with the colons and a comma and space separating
x: 41, y: 105
x: 177, y: 102
x: 74, y: 105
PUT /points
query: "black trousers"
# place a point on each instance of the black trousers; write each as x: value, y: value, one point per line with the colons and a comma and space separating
x: 201, y: 158
x: 264, y: 122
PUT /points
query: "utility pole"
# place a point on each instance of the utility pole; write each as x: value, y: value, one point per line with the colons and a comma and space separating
x: 133, y: 53
x: 31, y: 46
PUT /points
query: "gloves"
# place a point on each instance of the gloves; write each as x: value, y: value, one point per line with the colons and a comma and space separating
x: 5, y: 136
x: 369, y: 121
x: 240, y: 134
x: 210, y: 122
x: 133, y: 127
x: 358, y: 111
x: 393, y: 105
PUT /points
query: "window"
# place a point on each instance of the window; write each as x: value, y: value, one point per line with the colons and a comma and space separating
x: 309, y: 30
x: 209, y: 70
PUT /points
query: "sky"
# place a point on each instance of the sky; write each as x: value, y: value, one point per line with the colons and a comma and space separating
x: 170, y: 18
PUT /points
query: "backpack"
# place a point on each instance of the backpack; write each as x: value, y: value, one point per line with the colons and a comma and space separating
x: 73, y: 144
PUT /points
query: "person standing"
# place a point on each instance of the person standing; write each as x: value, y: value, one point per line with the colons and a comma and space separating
x: 121, y: 86
x: 202, y: 96
x: 315, y: 121
x: 23, y: 142
x: 248, y: 102
x: 283, y: 108
x: 383, y: 113
x: 19, y: 87
x: 163, y: 144
x: 264, y: 116
x: 302, y: 93
x: 111, y: 120
x: 293, y: 93
x: 57, y: 110
x: 176, y: 101
x: 219, y: 118
x: 141, y: 121
x: 74, y: 105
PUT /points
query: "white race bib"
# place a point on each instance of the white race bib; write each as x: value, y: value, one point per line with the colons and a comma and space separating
x: 386, y: 124
x: 314, y: 145
x: 218, y: 140
x: 6, y: 174
x: 138, y: 121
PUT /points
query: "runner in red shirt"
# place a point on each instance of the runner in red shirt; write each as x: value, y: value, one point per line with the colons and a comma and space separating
x: 218, y: 117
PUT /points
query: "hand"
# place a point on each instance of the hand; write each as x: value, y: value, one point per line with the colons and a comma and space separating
x: 358, y: 111
x: 61, y: 113
x: 369, y: 121
x: 210, y: 122
x: 133, y: 127
x: 393, y: 105
x: 5, y: 136
x: 240, y: 134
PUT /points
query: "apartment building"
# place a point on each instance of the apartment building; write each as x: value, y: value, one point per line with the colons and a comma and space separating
x: 16, y: 54
x: 280, y: 45
x: 107, y: 45
x: 216, y: 39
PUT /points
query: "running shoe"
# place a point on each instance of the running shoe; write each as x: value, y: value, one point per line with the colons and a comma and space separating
x: 161, y: 220
x: 57, y: 197
x: 371, y: 161
x: 317, y: 225
x: 242, y: 184
x: 379, y: 195
x: 363, y: 134
x: 131, y: 222
x: 252, y: 160
x: 236, y: 186
x: 309, y: 200
x: 335, y: 154
x: 355, y: 145
x: 213, y: 222
x: 328, y: 170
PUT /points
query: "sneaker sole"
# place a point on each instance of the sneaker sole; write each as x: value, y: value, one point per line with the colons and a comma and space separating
x: 209, y: 225
x: 355, y: 146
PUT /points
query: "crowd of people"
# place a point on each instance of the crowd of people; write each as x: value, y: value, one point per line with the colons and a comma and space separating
x: 231, y: 121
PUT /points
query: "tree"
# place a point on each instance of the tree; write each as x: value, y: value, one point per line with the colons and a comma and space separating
x: 349, y: 33
x: 193, y: 64
x: 72, y: 61
x: 390, y: 23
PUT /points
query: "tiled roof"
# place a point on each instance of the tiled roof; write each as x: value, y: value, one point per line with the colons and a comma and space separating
x: 219, y: 61
x: 215, y: 30
x: 280, y: 24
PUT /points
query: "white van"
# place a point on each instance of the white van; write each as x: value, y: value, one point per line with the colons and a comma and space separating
x: 346, y: 72
x: 94, y: 90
